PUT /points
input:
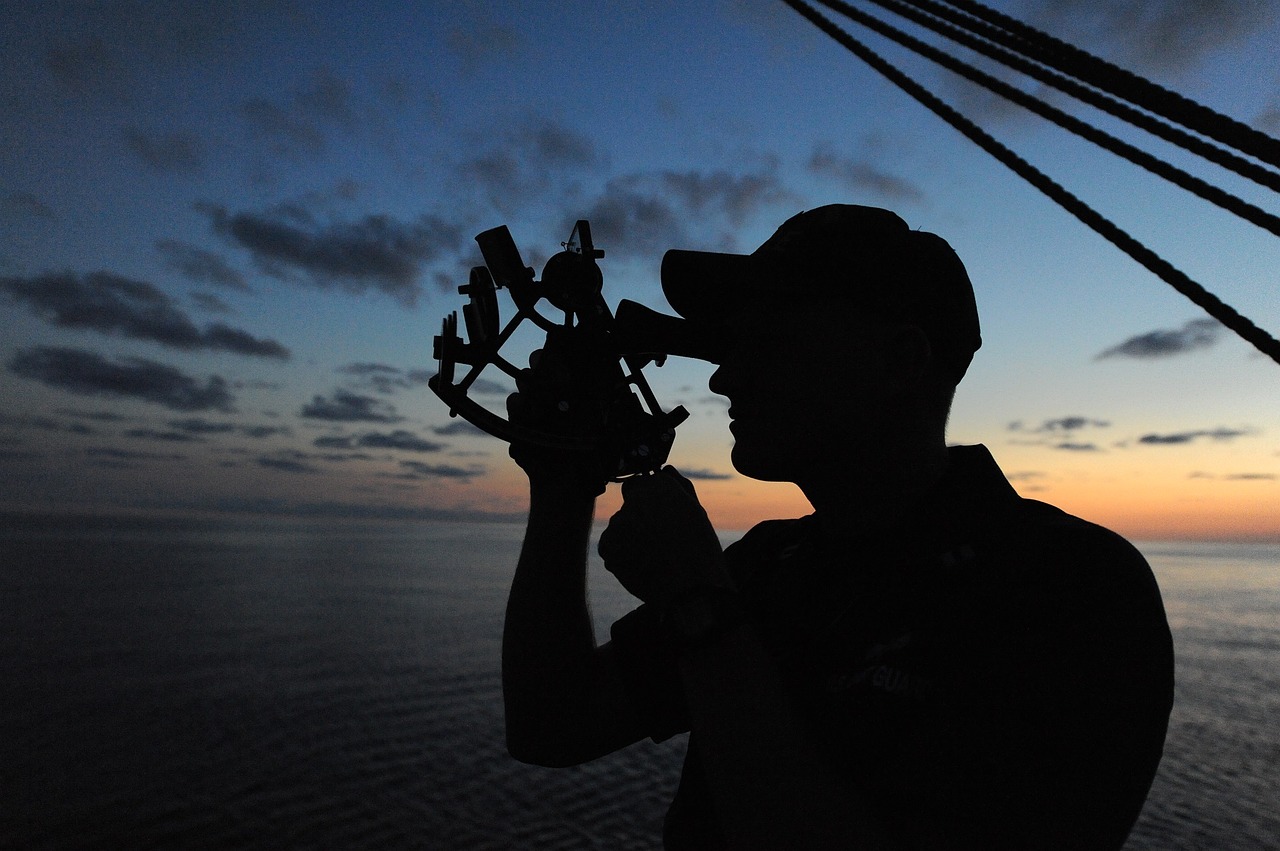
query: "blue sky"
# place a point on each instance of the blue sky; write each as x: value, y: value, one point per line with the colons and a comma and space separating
x: 230, y: 233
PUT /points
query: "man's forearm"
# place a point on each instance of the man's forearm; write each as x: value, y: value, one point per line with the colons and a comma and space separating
x: 548, y: 643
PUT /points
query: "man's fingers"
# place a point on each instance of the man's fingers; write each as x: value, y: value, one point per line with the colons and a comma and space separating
x: 617, y: 539
x: 676, y: 476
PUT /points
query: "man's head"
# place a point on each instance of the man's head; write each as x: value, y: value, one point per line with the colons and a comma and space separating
x: 851, y: 259
x: 844, y: 333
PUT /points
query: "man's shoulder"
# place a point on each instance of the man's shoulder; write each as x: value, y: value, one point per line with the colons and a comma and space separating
x: 1035, y: 536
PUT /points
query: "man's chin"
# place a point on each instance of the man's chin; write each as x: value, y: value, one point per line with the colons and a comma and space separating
x: 756, y: 462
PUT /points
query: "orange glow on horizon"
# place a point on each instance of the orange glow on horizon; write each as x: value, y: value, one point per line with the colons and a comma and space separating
x: 1139, y: 503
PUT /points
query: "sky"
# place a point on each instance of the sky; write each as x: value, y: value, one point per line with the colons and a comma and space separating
x: 230, y: 232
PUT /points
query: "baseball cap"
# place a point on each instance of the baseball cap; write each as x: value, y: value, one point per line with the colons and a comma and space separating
x: 866, y: 256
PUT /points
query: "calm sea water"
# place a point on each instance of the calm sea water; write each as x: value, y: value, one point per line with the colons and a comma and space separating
x: 291, y: 684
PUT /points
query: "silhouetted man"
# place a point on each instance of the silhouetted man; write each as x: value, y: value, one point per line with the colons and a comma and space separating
x: 926, y: 661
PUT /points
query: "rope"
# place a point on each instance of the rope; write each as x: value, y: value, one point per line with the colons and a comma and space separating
x: 1137, y: 156
x: 1210, y: 303
x: 1118, y: 81
x: 1223, y: 157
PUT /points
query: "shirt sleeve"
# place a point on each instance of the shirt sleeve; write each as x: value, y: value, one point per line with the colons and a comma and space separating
x: 650, y: 673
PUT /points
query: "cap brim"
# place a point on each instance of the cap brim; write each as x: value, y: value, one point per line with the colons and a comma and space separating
x: 704, y: 284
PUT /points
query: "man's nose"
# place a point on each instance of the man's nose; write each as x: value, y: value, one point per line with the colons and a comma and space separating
x: 724, y: 380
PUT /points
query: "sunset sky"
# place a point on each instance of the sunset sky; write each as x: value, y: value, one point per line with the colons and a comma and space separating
x: 230, y: 231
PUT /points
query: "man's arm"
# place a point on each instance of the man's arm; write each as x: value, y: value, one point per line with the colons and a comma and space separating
x: 564, y: 701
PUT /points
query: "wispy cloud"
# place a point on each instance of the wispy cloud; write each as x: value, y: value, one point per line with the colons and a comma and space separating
x: 419, y: 470
x: 287, y: 465
x: 88, y: 373
x: 703, y: 474
x: 377, y: 252
x: 348, y: 407
x: 296, y: 126
x: 165, y: 152
x: 860, y: 175
x: 527, y: 160
x: 201, y: 426
x: 384, y: 378
x: 24, y: 205
x: 642, y: 215
x: 456, y: 427
x: 1165, y: 342
x: 1183, y: 437
x: 1176, y: 35
x: 1059, y: 425
x: 398, y: 439
x: 200, y: 265
x: 108, y: 303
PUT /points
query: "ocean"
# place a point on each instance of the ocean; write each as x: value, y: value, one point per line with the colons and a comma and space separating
x: 270, y: 683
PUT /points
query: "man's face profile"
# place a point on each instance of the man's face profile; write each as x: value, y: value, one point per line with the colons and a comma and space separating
x: 802, y: 382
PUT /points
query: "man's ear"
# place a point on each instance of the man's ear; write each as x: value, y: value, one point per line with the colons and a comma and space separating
x: 907, y: 354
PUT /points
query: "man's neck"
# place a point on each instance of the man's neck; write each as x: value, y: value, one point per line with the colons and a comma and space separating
x: 875, y: 491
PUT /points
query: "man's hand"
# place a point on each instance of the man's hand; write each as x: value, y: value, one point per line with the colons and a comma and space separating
x: 547, y: 400
x: 660, y: 543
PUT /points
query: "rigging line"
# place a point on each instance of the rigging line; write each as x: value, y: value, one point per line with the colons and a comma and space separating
x: 1118, y: 81
x: 1119, y: 147
x: 1223, y: 157
x: 1166, y: 271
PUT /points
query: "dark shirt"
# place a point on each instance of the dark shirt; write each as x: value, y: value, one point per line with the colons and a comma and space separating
x: 992, y: 672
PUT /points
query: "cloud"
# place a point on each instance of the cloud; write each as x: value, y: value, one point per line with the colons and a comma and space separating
x: 88, y: 373
x: 456, y: 427
x: 201, y: 426
x: 527, y: 160
x: 296, y: 127
x: 25, y: 205
x: 211, y: 303
x: 199, y: 265
x: 398, y: 439
x: 485, y: 387
x: 348, y: 407
x: 384, y: 378
x: 1177, y: 438
x: 861, y: 176
x: 1196, y: 334
x: 110, y: 303
x: 1176, y: 34
x: 327, y: 98
x: 198, y: 425
x: 705, y: 475
x: 96, y: 416
x: 376, y: 252
x: 642, y: 215
x: 1269, y: 120
x: 81, y: 66
x: 287, y: 465
x: 483, y: 42
x: 419, y: 470
x: 1078, y: 447
x: 131, y: 455
x: 1059, y: 425
x: 167, y: 153
x: 168, y: 436
x: 282, y: 131
x: 44, y: 424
